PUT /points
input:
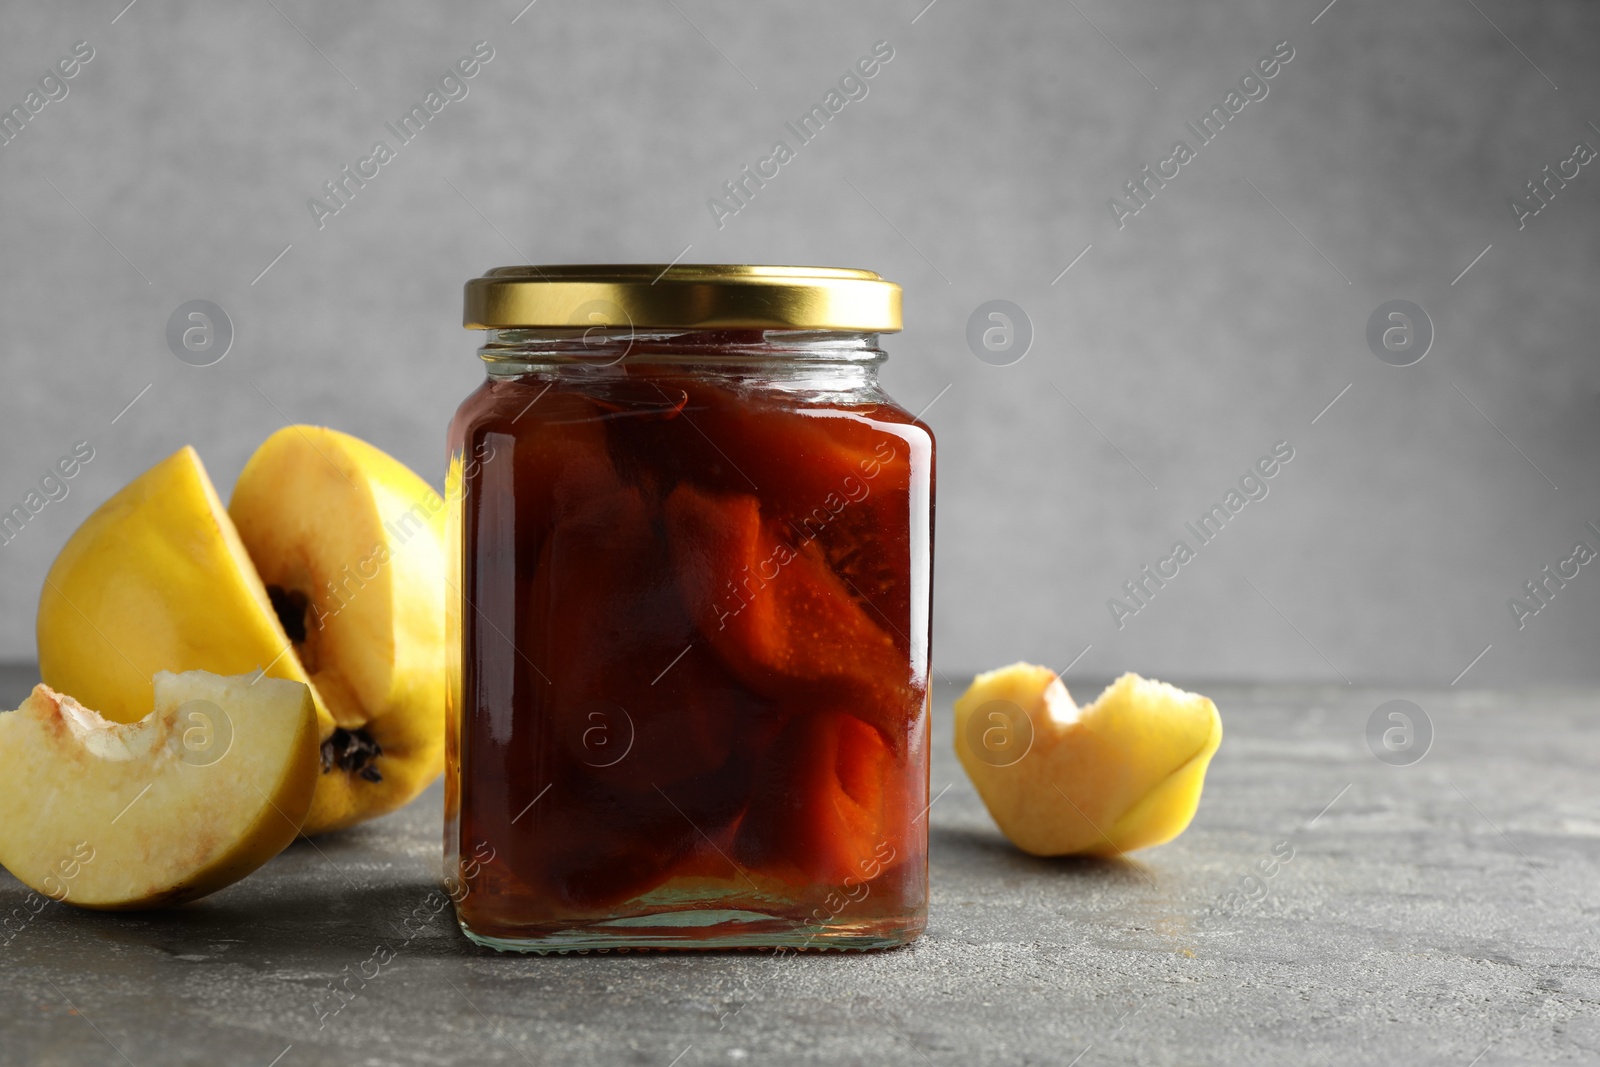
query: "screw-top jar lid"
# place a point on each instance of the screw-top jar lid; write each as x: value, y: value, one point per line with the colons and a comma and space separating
x: 683, y: 296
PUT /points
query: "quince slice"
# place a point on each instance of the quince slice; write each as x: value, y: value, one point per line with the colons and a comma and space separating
x: 780, y: 619
x: 155, y: 579
x: 824, y: 803
x: 192, y: 797
x: 1121, y: 774
x: 840, y: 478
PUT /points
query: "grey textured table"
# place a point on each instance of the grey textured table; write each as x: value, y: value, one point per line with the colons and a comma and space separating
x: 1430, y: 914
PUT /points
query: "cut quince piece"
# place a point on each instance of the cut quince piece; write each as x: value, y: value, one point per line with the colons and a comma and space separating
x: 155, y: 579
x: 192, y: 797
x: 1121, y: 774
x: 840, y: 478
x: 780, y: 619
x: 606, y: 561
x: 824, y: 807
x: 350, y: 545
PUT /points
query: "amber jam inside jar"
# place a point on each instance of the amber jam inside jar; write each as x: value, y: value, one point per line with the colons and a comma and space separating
x: 691, y: 619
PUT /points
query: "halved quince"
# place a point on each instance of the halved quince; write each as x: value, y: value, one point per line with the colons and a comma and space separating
x: 350, y: 544
x: 1121, y: 774
x: 192, y: 797
x: 333, y: 576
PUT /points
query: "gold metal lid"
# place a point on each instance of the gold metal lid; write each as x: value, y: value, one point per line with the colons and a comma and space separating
x: 683, y: 296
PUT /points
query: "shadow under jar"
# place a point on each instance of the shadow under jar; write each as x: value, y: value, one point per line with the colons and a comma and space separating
x: 693, y: 544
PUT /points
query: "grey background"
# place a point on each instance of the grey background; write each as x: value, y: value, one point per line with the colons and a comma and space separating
x: 978, y: 167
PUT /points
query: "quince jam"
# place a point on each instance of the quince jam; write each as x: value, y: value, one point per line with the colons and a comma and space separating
x: 693, y: 630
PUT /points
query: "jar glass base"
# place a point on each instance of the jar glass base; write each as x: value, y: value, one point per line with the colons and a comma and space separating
x: 705, y: 930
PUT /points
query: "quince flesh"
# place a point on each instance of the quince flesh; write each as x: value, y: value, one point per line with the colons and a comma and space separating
x: 329, y: 572
x: 822, y: 803
x: 192, y: 797
x: 1121, y: 774
x: 801, y: 632
x: 350, y: 544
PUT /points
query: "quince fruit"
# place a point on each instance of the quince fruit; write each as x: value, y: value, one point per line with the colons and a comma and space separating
x: 192, y: 797
x: 800, y: 634
x: 327, y: 569
x: 1121, y: 774
x: 821, y: 807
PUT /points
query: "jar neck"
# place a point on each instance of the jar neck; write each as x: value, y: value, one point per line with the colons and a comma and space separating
x: 836, y: 357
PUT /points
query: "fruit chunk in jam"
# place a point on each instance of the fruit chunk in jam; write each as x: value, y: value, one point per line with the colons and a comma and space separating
x: 689, y: 678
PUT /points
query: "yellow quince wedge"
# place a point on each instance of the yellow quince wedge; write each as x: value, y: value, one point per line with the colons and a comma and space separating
x: 192, y: 797
x: 329, y: 571
x: 155, y: 579
x: 1123, y: 773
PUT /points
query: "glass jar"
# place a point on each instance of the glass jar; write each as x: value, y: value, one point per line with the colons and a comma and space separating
x: 690, y: 614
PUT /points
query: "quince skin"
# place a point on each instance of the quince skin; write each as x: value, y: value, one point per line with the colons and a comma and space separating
x: 329, y: 571
x: 1121, y: 774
